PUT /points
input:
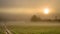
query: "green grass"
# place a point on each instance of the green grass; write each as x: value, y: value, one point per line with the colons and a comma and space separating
x: 1, y: 30
x: 35, y: 29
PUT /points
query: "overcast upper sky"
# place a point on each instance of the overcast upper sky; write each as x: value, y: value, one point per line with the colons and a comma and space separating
x: 30, y: 4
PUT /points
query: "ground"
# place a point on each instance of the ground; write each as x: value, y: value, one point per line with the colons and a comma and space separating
x: 34, y: 27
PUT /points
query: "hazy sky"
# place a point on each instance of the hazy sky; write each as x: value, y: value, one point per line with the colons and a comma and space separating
x: 28, y: 6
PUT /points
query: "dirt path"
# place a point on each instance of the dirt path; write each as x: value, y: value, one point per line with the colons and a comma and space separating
x: 6, y: 30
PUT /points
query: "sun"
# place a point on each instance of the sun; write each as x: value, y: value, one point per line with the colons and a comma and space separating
x: 46, y: 11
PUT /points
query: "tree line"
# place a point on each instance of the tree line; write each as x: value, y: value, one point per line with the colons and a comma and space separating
x: 34, y: 18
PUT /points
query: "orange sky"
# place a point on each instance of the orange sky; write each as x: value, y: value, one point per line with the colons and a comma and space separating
x: 29, y: 6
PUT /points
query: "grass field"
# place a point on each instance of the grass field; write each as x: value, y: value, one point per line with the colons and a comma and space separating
x: 1, y: 30
x: 35, y: 29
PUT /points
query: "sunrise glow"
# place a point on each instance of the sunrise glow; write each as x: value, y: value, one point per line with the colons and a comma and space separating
x: 46, y: 11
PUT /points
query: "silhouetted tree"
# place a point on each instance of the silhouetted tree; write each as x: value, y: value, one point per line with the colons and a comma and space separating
x: 35, y: 18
